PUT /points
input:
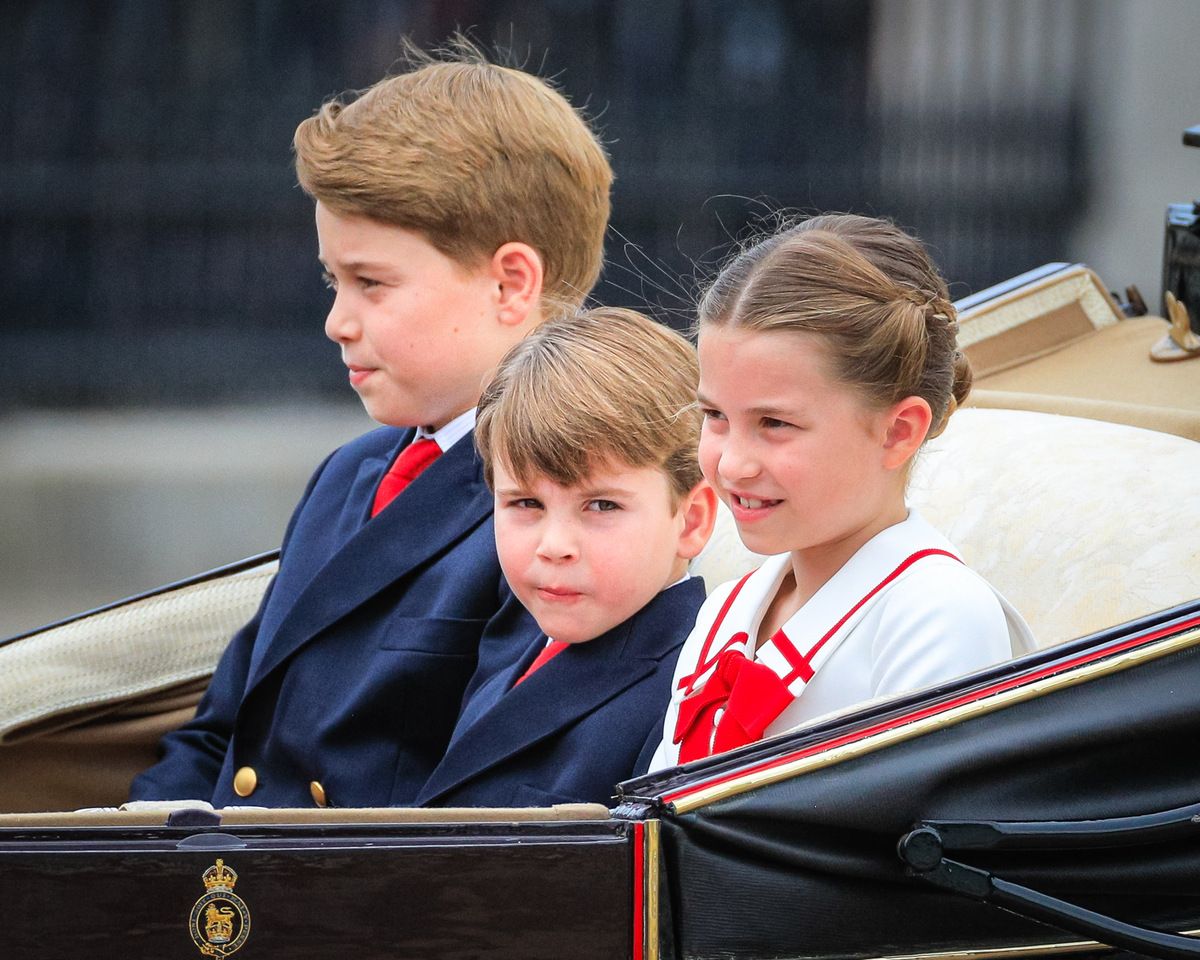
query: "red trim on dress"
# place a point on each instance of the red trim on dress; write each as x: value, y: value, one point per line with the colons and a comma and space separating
x: 704, y: 664
x: 707, y: 720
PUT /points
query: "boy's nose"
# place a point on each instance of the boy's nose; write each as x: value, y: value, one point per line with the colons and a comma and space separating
x: 340, y: 325
x: 558, y: 543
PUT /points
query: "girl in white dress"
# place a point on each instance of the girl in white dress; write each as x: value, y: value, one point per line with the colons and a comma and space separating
x: 827, y: 358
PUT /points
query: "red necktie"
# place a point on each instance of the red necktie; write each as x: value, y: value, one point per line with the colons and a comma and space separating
x: 412, y: 460
x: 549, y: 652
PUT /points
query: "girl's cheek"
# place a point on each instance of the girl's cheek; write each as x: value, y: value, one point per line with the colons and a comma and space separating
x: 709, y: 455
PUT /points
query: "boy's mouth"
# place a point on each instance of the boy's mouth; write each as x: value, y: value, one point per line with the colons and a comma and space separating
x: 558, y: 594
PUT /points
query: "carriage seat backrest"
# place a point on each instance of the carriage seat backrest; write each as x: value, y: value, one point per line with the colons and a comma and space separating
x: 1081, y: 524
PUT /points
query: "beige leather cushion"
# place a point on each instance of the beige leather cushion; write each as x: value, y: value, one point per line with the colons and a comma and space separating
x: 83, y: 705
x: 1081, y: 524
x: 1177, y: 420
x: 1111, y: 364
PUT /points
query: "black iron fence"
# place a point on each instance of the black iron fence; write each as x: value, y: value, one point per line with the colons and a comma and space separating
x: 154, y: 247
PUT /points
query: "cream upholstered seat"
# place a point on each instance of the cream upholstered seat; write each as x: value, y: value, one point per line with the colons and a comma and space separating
x: 1081, y: 524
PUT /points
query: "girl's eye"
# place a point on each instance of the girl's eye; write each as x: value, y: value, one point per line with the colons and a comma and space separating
x: 771, y: 423
x: 711, y: 414
x: 329, y: 280
x: 602, y: 506
x: 366, y: 283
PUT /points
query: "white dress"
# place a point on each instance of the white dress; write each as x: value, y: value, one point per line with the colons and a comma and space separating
x: 902, y: 613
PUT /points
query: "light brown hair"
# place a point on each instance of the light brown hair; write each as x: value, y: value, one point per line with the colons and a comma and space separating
x: 472, y: 155
x: 602, y: 385
x: 872, y: 295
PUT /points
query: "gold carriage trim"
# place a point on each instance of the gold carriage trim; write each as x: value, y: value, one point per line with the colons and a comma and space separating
x: 652, y: 841
x: 998, y: 701
x: 1017, y: 953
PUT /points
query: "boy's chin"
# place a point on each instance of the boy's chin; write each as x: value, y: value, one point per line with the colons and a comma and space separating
x: 401, y: 418
x: 567, y: 636
x: 570, y: 632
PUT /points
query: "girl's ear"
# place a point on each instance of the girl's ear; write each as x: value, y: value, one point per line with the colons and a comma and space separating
x: 908, y: 423
x: 698, y: 508
x: 519, y: 272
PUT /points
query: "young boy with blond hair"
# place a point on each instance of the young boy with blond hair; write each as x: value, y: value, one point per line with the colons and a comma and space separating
x: 457, y: 205
x: 588, y: 436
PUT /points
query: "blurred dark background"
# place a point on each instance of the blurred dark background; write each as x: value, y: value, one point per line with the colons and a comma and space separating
x: 156, y: 249
x: 165, y: 385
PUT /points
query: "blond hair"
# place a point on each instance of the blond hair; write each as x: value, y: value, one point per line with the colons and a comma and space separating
x: 600, y: 386
x: 472, y: 155
x: 872, y: 295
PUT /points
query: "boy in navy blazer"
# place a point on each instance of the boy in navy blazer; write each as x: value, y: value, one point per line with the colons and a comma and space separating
x: 588, y: 436
x: 444, y: 236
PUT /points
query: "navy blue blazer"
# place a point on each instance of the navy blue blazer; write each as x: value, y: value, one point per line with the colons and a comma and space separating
x: 352, y: 672
x: 579, y: 725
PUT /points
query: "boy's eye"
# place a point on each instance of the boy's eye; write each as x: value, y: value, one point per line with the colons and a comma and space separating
x: 329, y: 279
x: 525, y: 503
x: 602, y: 506
x: 774, y: 423
x: 366, y: 283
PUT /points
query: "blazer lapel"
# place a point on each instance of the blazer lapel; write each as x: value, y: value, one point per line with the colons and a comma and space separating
x: 570, y: 686
x: 422, y: 522
x: 494, y: 689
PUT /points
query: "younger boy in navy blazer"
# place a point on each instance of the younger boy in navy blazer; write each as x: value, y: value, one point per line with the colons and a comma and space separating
x: 443, y: 233
x: 588, y: 436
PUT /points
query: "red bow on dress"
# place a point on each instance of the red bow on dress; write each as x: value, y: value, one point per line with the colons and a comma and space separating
x: 740, y: 700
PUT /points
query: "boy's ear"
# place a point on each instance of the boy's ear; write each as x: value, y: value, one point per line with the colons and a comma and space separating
x: 908, y: 422
x: 698, y: 508
x: 519, y: 271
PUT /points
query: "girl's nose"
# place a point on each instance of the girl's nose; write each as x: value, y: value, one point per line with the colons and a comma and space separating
x: 737, y: 461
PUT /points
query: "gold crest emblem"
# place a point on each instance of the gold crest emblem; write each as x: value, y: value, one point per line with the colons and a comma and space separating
x: 220, y: 921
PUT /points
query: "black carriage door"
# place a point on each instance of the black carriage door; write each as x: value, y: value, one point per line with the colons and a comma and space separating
x: 436, y: 891
x: 1042, y: 805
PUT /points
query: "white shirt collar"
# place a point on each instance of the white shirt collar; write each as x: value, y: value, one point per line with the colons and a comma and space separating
x: 451, y: 433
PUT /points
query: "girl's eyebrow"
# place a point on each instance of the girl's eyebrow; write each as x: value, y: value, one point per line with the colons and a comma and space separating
x: 772, y: 412
x: 765, y: 411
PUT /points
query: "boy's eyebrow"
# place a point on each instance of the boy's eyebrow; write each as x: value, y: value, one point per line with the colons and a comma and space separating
x: 354, y: 266
x: 606, y: 492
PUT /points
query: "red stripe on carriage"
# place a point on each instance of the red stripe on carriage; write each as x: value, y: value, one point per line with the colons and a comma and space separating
x: 639, y: 886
